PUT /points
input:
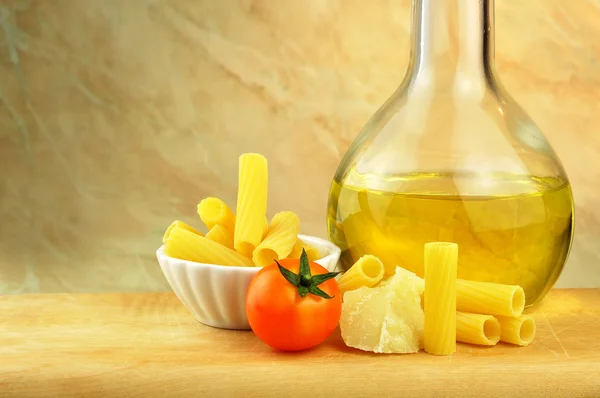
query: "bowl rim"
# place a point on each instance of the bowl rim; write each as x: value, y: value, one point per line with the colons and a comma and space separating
x: 332, y: 249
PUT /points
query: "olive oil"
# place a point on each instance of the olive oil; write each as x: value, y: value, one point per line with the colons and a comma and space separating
x: 519, y: 234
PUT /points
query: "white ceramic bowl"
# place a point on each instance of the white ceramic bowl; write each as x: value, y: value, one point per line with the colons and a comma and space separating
x: 216, y: 294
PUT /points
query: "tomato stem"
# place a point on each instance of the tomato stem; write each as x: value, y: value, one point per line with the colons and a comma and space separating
x: 304, y: 281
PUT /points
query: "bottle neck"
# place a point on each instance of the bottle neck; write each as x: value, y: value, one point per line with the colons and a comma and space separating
x: 452, y: 45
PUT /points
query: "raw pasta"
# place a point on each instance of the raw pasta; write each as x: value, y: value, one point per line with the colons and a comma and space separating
x: 251, y: 202
x: 312, y: 252
x: 367, y: 271
x: 440, y: 298
x: 489, y: 298
x: 213, y: 211
x: 296, y: 249
x: 517, y: 330
x: 477, y: 328
x: 186, y: 245
x: 280, y: 239
x: 221, y: 235
x: 179, y: 224
x: 265, y: 228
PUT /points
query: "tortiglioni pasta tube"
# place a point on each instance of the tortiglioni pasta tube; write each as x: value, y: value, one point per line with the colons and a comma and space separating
x: 251, y: 202
x: 517, y: 330
x: 367, y: 271
x: 213, y: 211
x: 179, y: 224
x: 477, y: 329
x: 296, y: 249
x: 221, y: 235
x: 280, y: 239
x: 186, y: 245
x: 311, y: 252
x: 265, y: 228
x: 489, y: 298
x: 440, y: 298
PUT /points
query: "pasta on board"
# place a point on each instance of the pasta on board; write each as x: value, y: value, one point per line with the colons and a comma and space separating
x: 439, y: 333
x: 489, y: 298
x: 517, y: 330
x: 477, y: 329
x: 367, y: 271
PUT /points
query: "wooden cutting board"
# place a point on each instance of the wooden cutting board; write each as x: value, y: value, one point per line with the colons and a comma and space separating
x: 148, y: 345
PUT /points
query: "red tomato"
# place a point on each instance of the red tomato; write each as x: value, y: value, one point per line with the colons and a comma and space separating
x: 281, y: 317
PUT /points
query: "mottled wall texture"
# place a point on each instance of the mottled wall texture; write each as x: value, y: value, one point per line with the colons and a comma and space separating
x: 118, y: 116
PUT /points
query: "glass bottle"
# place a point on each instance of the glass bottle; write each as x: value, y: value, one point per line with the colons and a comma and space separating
x: 452, y: 157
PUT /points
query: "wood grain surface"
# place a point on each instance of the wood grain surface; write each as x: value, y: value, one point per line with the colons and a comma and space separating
x: 147, y: 345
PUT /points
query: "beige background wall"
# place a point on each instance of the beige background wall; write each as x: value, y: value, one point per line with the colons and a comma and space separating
x: 117, y: 117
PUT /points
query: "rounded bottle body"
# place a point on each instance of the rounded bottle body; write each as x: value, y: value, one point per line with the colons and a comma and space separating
x: 451, y: 157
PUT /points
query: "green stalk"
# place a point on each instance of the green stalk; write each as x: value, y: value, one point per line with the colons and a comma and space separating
x: 304, y: 281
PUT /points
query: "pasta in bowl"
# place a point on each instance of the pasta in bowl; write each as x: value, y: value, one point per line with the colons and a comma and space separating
x: 216, y: 294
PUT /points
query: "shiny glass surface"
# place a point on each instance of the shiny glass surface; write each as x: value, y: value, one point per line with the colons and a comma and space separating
x: 452, y: 157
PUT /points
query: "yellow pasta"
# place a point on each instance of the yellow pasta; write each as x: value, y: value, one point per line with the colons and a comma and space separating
x: 367, y: 271
x: 312, y: 252
x: 251, y: 202
x: 517, y: 330
x: 213, y: 211
x: 265, y: 228
x: 477, y: 329
x: 221, y: 235
x: 489, y: 298
x: 179, y: 224
x: 186, y: 245
x: 282, y: 235
x: 439, y: 333
x: 296, y: 249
